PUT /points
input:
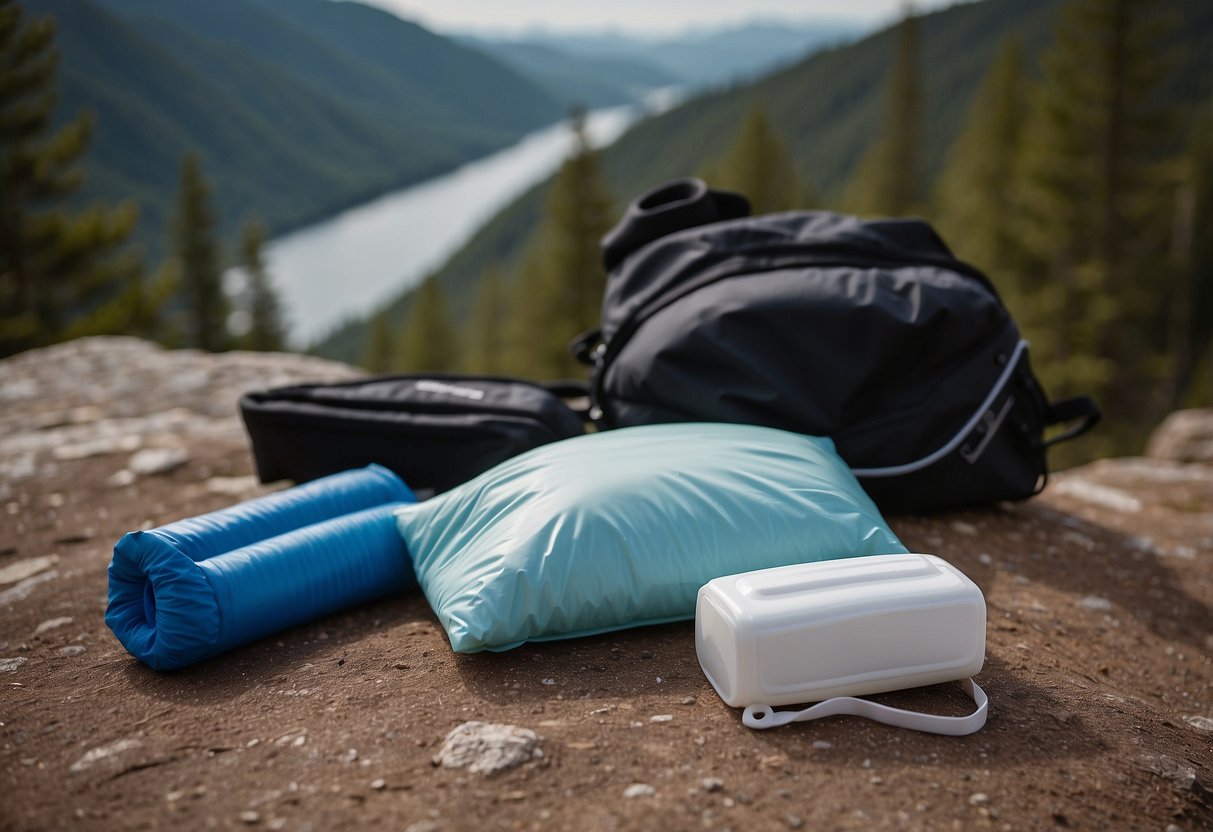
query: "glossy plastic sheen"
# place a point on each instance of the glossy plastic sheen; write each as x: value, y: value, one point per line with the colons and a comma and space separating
x: 621, y: 528
x: 187, y: 591
x: 813, y: 631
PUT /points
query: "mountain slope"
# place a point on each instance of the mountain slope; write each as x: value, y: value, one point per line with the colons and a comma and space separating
x: 247, y: 90
x: 479, y: 89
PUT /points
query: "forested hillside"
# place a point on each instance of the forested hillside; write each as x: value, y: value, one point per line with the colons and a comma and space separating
x: 1056, y: 144
x: 296, y: 109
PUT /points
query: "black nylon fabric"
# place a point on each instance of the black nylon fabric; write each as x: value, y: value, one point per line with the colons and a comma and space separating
x: 435, y: 431
x: 870, y: 333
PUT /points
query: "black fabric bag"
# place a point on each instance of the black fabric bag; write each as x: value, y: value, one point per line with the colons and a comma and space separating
x: 870, y: 333
x: 435, y: 431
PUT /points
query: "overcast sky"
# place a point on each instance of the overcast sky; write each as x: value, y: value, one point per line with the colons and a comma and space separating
x: 655, y: 16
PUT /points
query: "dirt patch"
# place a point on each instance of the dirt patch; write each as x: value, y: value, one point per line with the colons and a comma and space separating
x: 1100, y: 598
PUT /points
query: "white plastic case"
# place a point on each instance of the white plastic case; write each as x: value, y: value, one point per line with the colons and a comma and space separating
x: 813, y: 631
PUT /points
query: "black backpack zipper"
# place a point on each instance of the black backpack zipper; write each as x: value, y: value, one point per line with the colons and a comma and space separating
x: 436, y: 408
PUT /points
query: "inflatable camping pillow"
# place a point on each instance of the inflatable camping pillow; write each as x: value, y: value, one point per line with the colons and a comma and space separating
x: 622, y: 528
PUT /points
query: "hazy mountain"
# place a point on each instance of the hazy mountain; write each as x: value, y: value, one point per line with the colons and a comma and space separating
x: 297, y: 110
x: 711, y: 56
x: 586, y: 80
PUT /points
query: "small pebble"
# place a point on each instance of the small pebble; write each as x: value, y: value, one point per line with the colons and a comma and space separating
x: 822, y: 745
x: 378, y: 785
x: 793, y: 822
x: 250, y: 817
x: 73, y: 650
x: 1201, y: 723
x: 549, y: 681
x: 121, y: 479
x: 156, y: 461
x: 661, y: 718
x: 688, y: 700
x: 22, y: 569
x: 639, y: 790
x: 979, y: 799
x: 711, y: 784
x: 52, y: 624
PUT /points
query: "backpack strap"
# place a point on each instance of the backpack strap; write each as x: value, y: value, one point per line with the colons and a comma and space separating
x: 583, y: 346
x: 1080, y: 412
x: 571, y: 389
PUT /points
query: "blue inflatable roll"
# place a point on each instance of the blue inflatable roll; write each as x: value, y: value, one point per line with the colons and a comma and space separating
x: 192, y: 589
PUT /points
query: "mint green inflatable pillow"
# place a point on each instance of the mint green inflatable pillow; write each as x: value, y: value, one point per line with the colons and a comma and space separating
x: 621, y: 528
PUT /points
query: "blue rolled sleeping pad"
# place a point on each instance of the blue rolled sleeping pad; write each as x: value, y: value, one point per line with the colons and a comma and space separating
x: 190, y: 590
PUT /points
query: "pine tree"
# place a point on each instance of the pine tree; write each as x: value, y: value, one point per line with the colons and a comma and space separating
x: 886, y: 181
x: 558, y: 295
x: 196, y: 251
x: 57, y: 268
x: 760, y: 166
x: 485, y: 339
x: 380, y: 353
x: 428, y: 342
x: 266, y: 331
x: 1093, y: 216
x: 975, y: 195
x: 138, y: 309
x: 1191, y: 323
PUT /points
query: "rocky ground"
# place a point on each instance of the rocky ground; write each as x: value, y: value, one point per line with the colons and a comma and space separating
x: 1099, y: 669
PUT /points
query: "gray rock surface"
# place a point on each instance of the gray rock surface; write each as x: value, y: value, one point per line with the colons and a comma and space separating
x: 1184, y: 436
x: 148, y: 409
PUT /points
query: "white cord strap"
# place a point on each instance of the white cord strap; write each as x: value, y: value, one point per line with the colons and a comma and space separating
x: 763, y: 716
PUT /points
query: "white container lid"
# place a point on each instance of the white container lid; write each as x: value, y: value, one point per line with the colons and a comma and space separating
x: 813, y: 631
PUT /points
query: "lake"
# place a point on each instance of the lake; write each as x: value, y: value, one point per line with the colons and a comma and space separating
x: 348, y: 265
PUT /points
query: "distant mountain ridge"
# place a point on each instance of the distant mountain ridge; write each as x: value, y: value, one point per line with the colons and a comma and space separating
x: 704, y: 57
x: 298, y: 108
x: 579, y: 80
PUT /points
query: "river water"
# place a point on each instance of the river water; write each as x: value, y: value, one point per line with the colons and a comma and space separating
x: 349, y: 264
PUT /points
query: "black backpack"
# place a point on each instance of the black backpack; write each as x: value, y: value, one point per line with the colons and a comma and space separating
x: 868, y: 332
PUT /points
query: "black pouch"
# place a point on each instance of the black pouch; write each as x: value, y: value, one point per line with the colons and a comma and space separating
x: 435, y: 431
